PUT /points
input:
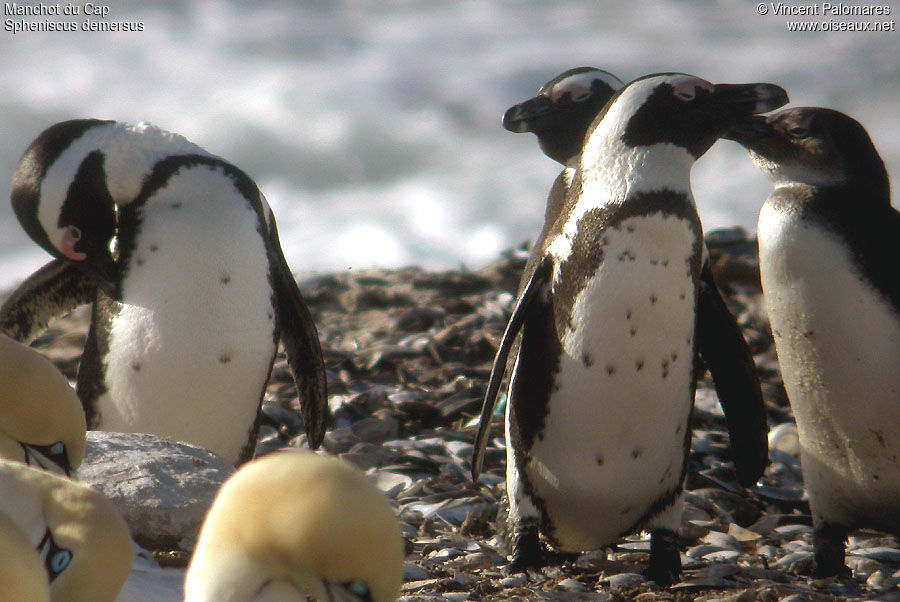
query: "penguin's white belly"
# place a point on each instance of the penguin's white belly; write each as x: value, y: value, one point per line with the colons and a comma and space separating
x: 838, y: 345
x: 614, y: 434
x: 191, y: 350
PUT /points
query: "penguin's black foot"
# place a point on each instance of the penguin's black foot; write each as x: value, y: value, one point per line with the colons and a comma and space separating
x: 829, y: 542
x: 527, y: 552
x: 665, y: 557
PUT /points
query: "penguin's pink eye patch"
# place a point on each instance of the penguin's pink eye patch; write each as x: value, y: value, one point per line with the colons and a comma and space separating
x: 577, y: 91
x: 70, y: 237
x: 686, y: 89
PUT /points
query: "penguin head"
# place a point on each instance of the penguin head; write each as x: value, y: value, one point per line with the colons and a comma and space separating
x: 60, y: 197
x: 682, y: 110
x: 80, y: 537
x: 811, y: 145
x: 563, y: 109
x: 299, y: 525
x: 22, y: 575
x: 42, y: 422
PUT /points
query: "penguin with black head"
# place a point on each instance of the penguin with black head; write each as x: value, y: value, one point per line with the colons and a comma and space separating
x: 828, y: 244
x: 178, y: 252
x: 600, y: 398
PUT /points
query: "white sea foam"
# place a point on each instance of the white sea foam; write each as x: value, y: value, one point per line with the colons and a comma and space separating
x: 373, y: 128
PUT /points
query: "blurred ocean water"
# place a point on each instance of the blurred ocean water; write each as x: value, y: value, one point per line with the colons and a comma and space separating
x: 373, y: 128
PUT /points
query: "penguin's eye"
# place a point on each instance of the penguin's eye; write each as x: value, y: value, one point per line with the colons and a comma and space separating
x: 358, y: 589
x: 56, y: 559
x: 798, y: 132
x: 685, y: 95
x: 51, y: 457
x: 74, y: 233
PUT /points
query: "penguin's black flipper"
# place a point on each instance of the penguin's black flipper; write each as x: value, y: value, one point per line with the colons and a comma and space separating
x: 536, y: 282
x: 56, y: 288
x: 301, y: 343
x: 730, y: 362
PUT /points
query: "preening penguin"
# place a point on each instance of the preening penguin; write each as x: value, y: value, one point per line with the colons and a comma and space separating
x: 41, y: 420
x: 828, y: 246
x: 297, y: 526
x: 81, y: 540
x: 598, y: 413
x: 188, y: 308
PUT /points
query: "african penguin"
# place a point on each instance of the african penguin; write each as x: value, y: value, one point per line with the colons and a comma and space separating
x: 828, y: 243
x: 41, y: 420
x: 297, y: 526
x: 563, y: 109
x: 559, y: 116
x: 599, y: 404
x: 80, y: 537
x: 188, y: 307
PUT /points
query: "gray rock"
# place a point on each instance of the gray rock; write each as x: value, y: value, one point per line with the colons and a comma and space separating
x: 516, y: 580
x: 882, y: 554
x: 624, y: 580
x: 413, y: 572
x: 163, y: 488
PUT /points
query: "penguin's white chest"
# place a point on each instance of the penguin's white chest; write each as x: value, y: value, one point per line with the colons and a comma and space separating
x: 838, y: 345
x: 614, y: 434
x: 191, y: 350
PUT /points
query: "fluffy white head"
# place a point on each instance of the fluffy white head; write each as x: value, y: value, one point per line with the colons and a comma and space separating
x: 41, y: 419
x: 81, y: 538
x: 292, y: 526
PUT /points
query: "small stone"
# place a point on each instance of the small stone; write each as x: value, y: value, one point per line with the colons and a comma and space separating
x: 723, y: 540
x: 702, y: 550
x: 413, y: 572
x: 572, y: 585
x: 740, y: 534
x: 517, y: 580
x: 444, y: 554
x: 793, y: 530
x: 723, y: 556
x: 785, y: 439
x: 876, y: 580
x: 881, y: 554
x: 624, y: 580
x: 796, y: 562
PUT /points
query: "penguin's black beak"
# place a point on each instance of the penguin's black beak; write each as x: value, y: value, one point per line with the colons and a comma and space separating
x: 741, y: 100
x: 749, y: 130
x: 521, y: 117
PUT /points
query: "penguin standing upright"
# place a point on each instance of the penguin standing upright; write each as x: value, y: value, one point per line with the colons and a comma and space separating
x: 828, y: 244
x: 598, y: 413
x: 189, y: 307
x: 560, y: 116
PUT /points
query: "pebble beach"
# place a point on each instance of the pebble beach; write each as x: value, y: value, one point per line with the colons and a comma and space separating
x: 408, y: 353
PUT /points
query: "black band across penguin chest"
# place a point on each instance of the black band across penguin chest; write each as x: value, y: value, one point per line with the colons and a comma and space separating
x: 604, y: 382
